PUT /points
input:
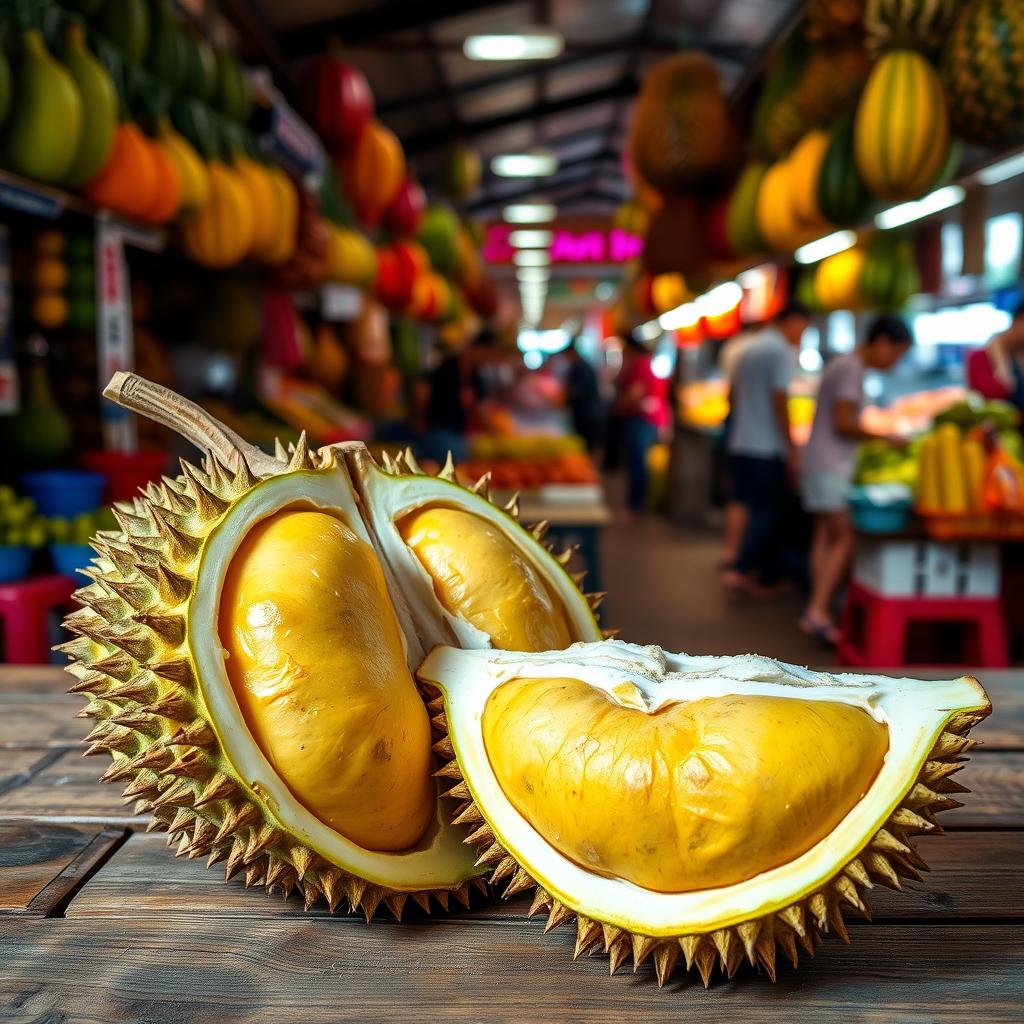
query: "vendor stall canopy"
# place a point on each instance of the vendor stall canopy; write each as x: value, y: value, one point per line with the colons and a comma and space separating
x: 575, y: 104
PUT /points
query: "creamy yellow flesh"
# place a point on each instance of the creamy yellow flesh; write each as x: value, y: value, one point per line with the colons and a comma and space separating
x: 315, y: 658
x: 693, y: 796
x: 480, y: 576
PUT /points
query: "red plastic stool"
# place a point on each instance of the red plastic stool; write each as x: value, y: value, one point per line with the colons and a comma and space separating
x: 25, y: 609
x: 874, y: 630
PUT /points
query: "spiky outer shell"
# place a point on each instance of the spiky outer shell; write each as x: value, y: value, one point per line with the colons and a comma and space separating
x: 888, y: 856
x: 132, y: 662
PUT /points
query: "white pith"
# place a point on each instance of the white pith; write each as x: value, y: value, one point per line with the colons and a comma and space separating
x: 442, y: 859
x: 915, y: 713
x: 389, y: 498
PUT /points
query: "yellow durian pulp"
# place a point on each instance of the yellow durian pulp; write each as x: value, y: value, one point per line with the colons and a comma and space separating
x: 691, y: 796
x: 315, y: 657
x: 480, y: 576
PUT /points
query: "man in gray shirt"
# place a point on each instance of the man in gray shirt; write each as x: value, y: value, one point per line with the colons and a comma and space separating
x: 760, y: 449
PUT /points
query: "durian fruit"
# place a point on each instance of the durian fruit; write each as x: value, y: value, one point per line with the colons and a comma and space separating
x: 695, y: 810
x: 248, y: 643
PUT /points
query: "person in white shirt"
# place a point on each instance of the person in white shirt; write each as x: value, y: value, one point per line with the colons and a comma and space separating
x: 760, y: 448
x: 828, y: 464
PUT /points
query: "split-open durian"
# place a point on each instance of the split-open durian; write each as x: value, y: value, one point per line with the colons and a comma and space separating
x: 248, y: 646
x: 694, y: 808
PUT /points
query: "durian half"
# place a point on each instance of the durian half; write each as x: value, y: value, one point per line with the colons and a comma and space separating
x: 248, y: 646
x: 695, y: 809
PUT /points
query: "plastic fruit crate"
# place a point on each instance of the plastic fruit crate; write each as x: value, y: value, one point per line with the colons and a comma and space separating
x: 973, y: 526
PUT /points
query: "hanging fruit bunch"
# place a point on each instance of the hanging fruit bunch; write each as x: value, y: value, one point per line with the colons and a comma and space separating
x: 830, y: 80
x: 459, y: 176
x: 680, y: 130
x: 901, y: 134
x: 889, y: 276
x: 335, y: 790
x: 983, y: 79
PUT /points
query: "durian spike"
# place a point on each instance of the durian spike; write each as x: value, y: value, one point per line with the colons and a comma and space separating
x: 186, y: 418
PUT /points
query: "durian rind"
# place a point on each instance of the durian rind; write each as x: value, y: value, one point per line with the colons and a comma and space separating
x: 148, y: 660
x: 790, y: 906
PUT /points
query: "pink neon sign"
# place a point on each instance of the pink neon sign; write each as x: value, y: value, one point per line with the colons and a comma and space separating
x: 593, y: 246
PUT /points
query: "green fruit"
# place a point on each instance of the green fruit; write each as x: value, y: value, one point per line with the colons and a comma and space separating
x: 40, y: 434
x: 82, y: 280
x: 59, y: 529
x: 82, y: 313
x: 842, y: 196
x: 45, y: 125
x: 7, y: 497
x: 15, y: 536
x: 232, y: 88
x: 99, y: 108
x: 202, y: 67
x: 439, y: 236
x: 35, y: 534
x: 21, y: 512
x: 168, y: 56
x: 741, y: 225
x: 126, y: 24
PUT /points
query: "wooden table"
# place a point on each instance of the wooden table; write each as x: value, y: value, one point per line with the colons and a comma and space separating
x: 99, y: 922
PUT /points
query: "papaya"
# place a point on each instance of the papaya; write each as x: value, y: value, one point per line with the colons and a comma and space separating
x: 45, y: 126
x: 126, y: 24
x: 99, y: 108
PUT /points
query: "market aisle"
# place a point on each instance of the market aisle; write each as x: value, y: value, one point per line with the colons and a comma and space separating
x: 663, y: 588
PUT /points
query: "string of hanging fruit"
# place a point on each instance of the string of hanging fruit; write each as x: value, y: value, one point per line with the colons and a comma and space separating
x: 865, y: 105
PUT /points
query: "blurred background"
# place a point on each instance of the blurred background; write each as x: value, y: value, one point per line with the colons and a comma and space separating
x: 727, y: 290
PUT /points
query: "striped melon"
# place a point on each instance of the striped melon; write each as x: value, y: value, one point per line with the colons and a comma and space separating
x: 901, y: 134
x: 842, y: 197
x: 983, y: 71
x: 907, y: 24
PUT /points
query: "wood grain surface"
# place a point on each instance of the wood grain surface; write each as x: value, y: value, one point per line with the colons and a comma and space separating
x: 100, y: 922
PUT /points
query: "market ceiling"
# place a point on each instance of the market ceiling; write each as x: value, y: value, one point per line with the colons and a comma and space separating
x: 576, y: 104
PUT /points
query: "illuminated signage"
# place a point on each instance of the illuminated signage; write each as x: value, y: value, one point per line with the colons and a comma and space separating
x: 568, y: 245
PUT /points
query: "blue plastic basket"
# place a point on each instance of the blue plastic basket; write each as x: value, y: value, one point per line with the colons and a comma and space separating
x: 15, y: 562
x: 880, y: 517
x: 64, y: 492
x: 69, y: 559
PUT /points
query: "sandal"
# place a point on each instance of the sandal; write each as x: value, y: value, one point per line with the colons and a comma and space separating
x: 823, y: 632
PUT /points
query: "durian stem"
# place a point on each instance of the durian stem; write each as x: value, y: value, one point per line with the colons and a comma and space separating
x: 187, y: 419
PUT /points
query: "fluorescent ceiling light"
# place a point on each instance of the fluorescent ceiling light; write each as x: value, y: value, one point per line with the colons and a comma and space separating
x: 826, y: 246
x: 532, y: 274
x: 538, y: 44
x: 529, y: 213
x: 530, y: 239
x: 719, y: 300
x: 934, y: 202
x: 650, y: 330
x: 686, y: 315
x: 531, y: 258
x: 538, y: 164
x: 1002, y: 170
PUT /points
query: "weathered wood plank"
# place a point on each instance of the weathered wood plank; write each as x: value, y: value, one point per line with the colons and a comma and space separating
x: 69, y: 790
x: 35, y: 681
x: 212, y: 969
x: 42, y: 724
x: 42, y: 864
x: 996, y: 800
x: 975, y: 875
x: 18, y: 766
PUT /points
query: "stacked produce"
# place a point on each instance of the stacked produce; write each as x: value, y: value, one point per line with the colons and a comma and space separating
x: 389, y: 776
x: 49, y: 279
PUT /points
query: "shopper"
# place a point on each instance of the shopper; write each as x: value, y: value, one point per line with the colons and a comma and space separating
x: 996, y: 371
x: 440, y: 410
x: 642, y: 403
x: 828, y: 464
x: 760, y: 449
x: 583, y: 398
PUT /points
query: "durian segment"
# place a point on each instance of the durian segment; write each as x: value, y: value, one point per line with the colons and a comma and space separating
x: 433, y: 861
x: 481, y: 577
x: 317, y: 663
x: 695, y: 795
x: 390, y: 497
x: 784, y: 908
x: 146, y: 656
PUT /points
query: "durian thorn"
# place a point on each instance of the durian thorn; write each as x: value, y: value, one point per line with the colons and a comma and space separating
x: 766, y: 954
x: 787, y: 943
x: 244, y: 478
x: 144, y: 782
x: 220, y: 787
x: 79, y: 648
x: 481, y: 835
x: 209, y: 506
x: 139, y: 721
x: 934, y: 772
x: 643, y: 946
x: 450, y: 771
x: 539, y: 530
x: 411, y: 462
x: 196, y: 734
x: 255, y: 874
x: 617, y: 954
x: 512, y: 506
x: 91, y: 682
x: 469, y: 815
x: 182, y: 547
x: 858, y: 873
x: 131, y: 524
x: 793, y: 917
x: 301, y: 458
x: 520, y: 882
x: 610, y: 934
x: 441, y: 896
x: 578, y: 578
x: 707, y: 957
x: 951, y: 786
x: 921, y: 796
x: 905, y: 818
x: 138, y: 596
x: 371, y: 900
x: 541, y: 901
x: 118, y: 665
x: 558, y: 915
x: 447, y: 471
x: 460, y: 791
x: 491, y: 855
x: 435, y: 706
x: 596, y: 599
x: 443, y: 748
x: 280, y: 452
x: 482, y: 486
x: 587, y: 933
x: 422, y: 900
x: 949, y: 745
x: 880, y: 867
x: 886, y: 842
x: 836, y: 922
x: 333, y: 887
x: 817, y: 907
x: 395, y: 902
x: 848, y: 891
x: 748, y: 932
x: 303, y: 860
x: 440, y: 724
x: 564, y: 557
x: 665, y: 959
x: 180, y: 793
x: 506, y: 869
x: 193, y: 764
x: 178, y: 501
x: 237, y: 817
x: 175, y: 670
x: 172, y: 704
x: 461, y: 893
x: 276, y: 870
x: 169, y: 628
x: 140, y: 688
x: 261, y: 840
x: 689, y: 944
x: 96, y: 709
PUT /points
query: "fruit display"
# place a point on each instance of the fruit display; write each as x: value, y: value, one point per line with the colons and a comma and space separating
x: 99, y: 108
x: 982, y: 69
x: 842, y: 194
x: 879, y: 462
x: 907, y: 24
x: 890, y: 275
x: 901, y: 134
x: 529, y: 472
x: 413, y: 561
x: 22, y: 526
x: 49, y: 279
